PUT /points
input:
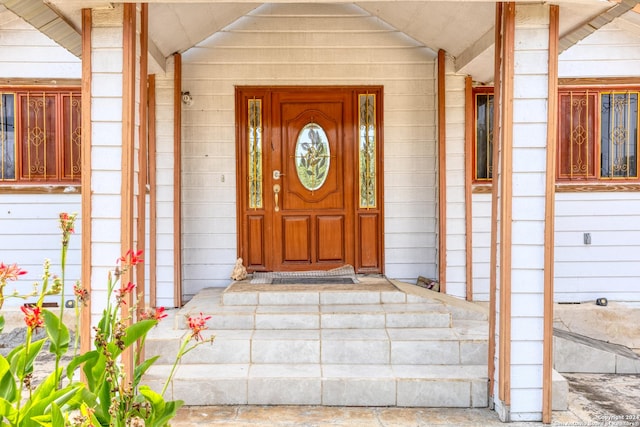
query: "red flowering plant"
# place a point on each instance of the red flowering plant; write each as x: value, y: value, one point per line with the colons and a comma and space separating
x: 22, y: 403
x: 106, y: 396
x: 197, y: 324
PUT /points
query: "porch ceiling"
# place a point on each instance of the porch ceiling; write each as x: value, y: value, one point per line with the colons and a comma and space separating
x: 464, y: 29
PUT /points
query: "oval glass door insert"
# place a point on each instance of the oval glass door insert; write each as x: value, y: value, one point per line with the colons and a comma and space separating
x: 312, y: 156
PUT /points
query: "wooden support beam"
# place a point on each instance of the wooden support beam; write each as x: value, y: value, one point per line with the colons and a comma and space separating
x: 549, y: 217
x: 85, y: 273
x: 442, y: 174
x: 127, y: 240
x: 177, y: 180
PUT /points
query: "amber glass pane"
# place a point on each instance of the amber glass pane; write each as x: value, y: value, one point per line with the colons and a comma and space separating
x: 38, y: 136
x: 577, y: 135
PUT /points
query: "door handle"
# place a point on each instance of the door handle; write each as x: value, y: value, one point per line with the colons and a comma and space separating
x: 276, y: 190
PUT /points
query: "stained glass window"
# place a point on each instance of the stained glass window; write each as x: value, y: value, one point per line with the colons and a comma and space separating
x: 255, y: 153
x: 313, y: 157
x: 367, y: 150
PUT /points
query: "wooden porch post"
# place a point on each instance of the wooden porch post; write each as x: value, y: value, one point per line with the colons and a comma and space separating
x: 85, y: 321
x: 177, y: 180
x: 127, y: 238
x: 523, y: 198
x: 552, y: 129
x: 442, y: 175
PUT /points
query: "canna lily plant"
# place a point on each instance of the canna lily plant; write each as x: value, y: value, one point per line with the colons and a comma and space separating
x: 105, y: 397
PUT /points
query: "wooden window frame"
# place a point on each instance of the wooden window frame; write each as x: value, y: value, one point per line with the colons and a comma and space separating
x: 59, y: 169
x: 480, y: 90
x: 595, y: 127
x: 597, y: 182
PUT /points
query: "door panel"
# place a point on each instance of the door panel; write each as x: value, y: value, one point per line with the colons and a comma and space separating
x: 319, y: 243
x: 299, y: 171
x: 330, y: 238
x: 296, y: 231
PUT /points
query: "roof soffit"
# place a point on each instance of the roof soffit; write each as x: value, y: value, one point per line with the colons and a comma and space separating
x: 462, y: 28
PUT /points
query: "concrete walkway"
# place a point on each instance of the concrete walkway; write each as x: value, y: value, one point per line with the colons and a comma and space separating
x: 317, y: 416
x: 594, y: 400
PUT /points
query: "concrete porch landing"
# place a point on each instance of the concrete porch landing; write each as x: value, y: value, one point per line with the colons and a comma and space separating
x: 369, y: 344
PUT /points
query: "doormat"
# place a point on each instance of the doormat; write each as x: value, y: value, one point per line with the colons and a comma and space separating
x: 312, y: 281
x: 335, y: 276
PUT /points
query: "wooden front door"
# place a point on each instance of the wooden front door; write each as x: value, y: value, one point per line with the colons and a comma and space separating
x: 299, y: 181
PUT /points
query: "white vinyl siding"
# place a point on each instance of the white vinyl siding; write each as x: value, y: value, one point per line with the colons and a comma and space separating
x: 481, y: 238
x: 308, y: 44
x: 26, y: 53
x: 31, y: 233
x: 164, y: 187
x: 612, y: 51
x: 456, y: 278
x: 30, y: 222
x: 106, y: 152
x: 608, y: 267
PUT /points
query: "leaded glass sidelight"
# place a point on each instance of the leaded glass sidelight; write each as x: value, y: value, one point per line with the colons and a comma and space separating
x: 313, y: 157
x: 254, y: 139
x: 619, y: 135
x: 367, y: 150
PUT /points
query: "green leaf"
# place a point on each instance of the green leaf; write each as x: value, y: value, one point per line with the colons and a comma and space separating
x: 132, y: 334
x: 92, y: 416
x: 7, y: 380
x: 34, y: 351
x: 104, y: 395
x: 43, y: 398
x: 170, y: 411
x: 93, y: 365
x: 57, y: 332
x: 142, y: 368
x: 22, y: 361
x: 48, y: 386
x: 1, y: 323
x: 7, y: 410
x: 79, y: 360
x: 90, y: 400
x: 155, y: 399
x: 57, y: 419
x: 45, y: 420
x: 162, y: 411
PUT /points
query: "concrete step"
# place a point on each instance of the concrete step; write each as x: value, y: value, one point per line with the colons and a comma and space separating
x: 576, y: 353
x: 358, y: 346
x: 419, y: 346
x: 327, y: 384
x: 366, y: 316
x: 403, y: 347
